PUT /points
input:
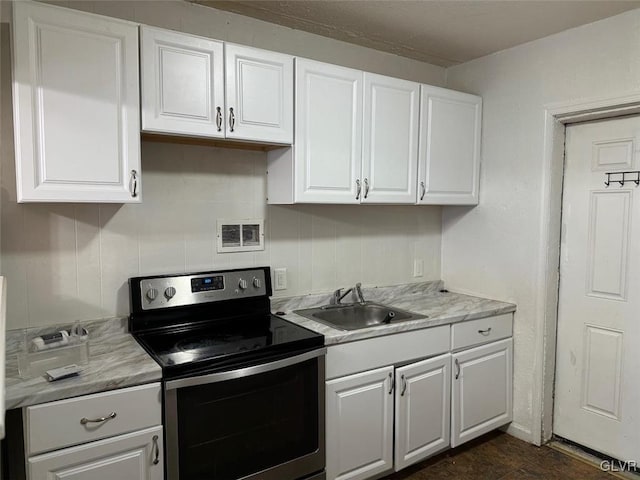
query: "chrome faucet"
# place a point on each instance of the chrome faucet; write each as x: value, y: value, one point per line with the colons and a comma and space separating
x: 338, y: 296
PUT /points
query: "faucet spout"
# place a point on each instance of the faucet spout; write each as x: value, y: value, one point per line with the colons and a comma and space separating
x: 338, y: 296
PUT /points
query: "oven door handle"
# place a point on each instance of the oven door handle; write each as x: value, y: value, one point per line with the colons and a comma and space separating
x: 243, y: 372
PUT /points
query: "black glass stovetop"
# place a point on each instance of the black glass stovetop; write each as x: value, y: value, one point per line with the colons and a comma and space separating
x: 222, y: 344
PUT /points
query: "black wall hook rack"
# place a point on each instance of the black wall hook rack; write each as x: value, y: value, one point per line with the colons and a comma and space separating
x: 621, y: 178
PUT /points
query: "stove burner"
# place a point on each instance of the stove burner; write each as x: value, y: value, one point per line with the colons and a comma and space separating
x: 206, y: 343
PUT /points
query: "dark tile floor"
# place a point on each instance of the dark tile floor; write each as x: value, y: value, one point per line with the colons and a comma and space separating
x: 498, y: 456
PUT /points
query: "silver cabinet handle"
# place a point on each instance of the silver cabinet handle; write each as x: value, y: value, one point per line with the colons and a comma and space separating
x: 390, y: 383
x: 85, y: 420
x: 156, y: 459
x: 404, y: 385
x: 366, y: 188
x: 358, y: 189
x: 232, y: 119
x: 219, y: 118
x: 485, y: 332
x: 423, y: 188
x: 457, y: 363
x: 133, y: 184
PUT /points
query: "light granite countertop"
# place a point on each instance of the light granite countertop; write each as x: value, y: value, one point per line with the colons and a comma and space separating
x: 425, y: 298
x: 115, y: 360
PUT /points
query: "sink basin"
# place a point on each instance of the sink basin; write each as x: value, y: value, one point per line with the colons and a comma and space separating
x: 356, y: 316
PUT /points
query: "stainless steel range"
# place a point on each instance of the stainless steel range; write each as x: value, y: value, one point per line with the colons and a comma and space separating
x: 243, y: 389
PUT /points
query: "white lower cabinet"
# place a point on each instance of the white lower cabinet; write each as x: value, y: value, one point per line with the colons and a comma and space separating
x: 387, y: 410
x: 133, y: 456
x: 423, y: 394
x: 360, y: 424
x: 482, y: 390
x: 364, y: 417
x: 103, y: 436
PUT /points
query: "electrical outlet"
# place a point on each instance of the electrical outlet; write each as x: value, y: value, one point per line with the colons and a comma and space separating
x: 280, y: 278
x: 418, y: 267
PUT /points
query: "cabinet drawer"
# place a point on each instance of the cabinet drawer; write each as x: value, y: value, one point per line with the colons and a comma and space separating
x: 483, y: 330
x: 353, y: 357
x: 58, y: 424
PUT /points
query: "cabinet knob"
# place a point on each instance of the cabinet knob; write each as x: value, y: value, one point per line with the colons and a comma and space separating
x: 366, y: 188
x: 219, y: 118
x: 423, y: 189
x: 358, y: 189
x: 232, y: 119
x: 133, y: 184
x: 457, y: 363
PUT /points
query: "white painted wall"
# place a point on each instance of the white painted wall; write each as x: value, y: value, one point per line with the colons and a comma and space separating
x: 66, y: 262
x: 496, y: 249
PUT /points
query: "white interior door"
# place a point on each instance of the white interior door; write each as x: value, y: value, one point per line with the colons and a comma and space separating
x: 597, y: 395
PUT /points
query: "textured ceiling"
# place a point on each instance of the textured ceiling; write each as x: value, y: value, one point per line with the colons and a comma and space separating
x: 442, y: 32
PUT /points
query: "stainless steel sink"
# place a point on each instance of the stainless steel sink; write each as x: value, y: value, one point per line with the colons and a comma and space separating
x: 356, y: 316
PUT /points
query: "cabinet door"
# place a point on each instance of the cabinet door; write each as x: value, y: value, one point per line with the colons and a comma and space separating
x: 182, y: 84
x: 482, y: 390
x: 449, y: 164
x: 390, y: 148
x: 328, y: 133
x: 259, y: 95
x: 360, y: 425
x: 423, y: 400
x: 76, y: 106
x: 131, y: 456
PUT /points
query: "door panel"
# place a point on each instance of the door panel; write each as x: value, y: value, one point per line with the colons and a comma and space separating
x: 129, y: 456
x: 423, y: 400
x: 390, y: 152
x: 76, y: 105
x: 328, y: 134
x: 360, y: 425
x: 596, y: 392
x: 260, y: 92
x: 449, y: 164
x: 182, y: 84
x: 482, y: 390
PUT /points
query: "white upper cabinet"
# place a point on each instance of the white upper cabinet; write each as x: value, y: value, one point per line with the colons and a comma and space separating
x: 390, y: 147
x: 185, y: 78
x: 76, y: 106
x: 259, y: 95
x: 182, y: 84
x: 328, y: 133
x: 449, y: 164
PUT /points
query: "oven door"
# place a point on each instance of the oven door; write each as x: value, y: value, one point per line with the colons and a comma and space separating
x: 260, y: 422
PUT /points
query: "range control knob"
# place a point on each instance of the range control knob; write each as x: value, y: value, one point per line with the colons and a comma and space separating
x: 169, y: 292
x: 242, y: 284
x: 257, y: 283
x: 151, y: 294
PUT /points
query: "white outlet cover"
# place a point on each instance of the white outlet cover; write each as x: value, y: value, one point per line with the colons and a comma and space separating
x: 418, y: 267
x: 280, y: 279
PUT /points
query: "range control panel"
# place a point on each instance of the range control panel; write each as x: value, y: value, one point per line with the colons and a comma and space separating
x: 183, y: 290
